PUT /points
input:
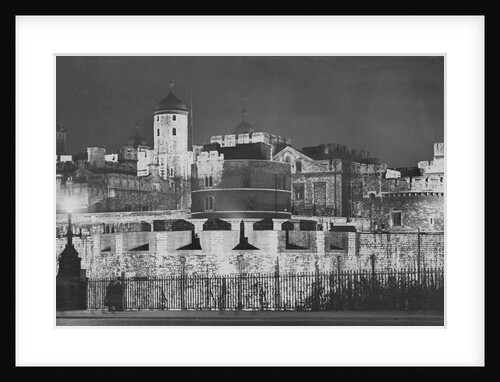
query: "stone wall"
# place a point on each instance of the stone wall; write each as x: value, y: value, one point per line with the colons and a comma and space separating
x: 331, y: 187
x: 277, y: 142
x: 208, y: 164
x: 116, y: 192
x: 93, y: 224
x: 400, y: 250
x: 240, y: 188
x: 105, y: 255
x: 331, y: 206
x: 424, y: 210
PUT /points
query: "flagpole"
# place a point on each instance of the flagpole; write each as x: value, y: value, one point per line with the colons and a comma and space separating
x: 192, y: 131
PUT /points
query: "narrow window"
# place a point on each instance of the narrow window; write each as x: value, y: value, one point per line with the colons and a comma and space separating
x: 157, y: 118
x: 298, y: 166
x: 298, y: 191
x: 174, y: 118
x: 174, y: 130
x: 396, y: 219
x: 208, y: 203
x: 250, y: 204
x: 158, y: 132
x: 208, y: 181
x: 246, y: 182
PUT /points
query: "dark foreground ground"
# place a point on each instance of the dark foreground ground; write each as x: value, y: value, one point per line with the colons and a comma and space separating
x: 247, y: 318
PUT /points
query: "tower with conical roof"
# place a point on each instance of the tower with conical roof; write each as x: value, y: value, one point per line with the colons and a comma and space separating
x: 170, y: 132
x: 137, y: 140
x: 244, y: 127
x: 130, y: 151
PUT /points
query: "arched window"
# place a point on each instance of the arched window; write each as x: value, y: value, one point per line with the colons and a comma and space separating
x: 208, y: 203
x: 246, y: 181
x: 174, y: 118
x: 208, y: 181
x: 298, y: 166
x: 251, y: 204
x: 174, y: 130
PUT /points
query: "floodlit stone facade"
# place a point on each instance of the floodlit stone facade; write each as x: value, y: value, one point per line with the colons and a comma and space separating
x: 146, y: 210
x: 151, y: 253
x: 413, y: 201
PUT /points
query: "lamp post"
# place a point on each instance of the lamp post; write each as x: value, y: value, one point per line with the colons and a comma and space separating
x: 69, y: 233
x: 70, y: 280
x: 70, y: 205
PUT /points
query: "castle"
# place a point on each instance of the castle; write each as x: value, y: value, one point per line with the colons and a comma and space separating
x: 144, y: 210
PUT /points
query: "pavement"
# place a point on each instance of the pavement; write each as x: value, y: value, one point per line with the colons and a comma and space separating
x: 247, y: 318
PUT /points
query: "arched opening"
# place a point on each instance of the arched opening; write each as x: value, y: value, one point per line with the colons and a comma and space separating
x: 298, y: 166
x: 208, y: 203
x: 174, y: 130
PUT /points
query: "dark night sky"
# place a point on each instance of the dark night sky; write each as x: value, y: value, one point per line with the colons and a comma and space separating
x: 390, y: 106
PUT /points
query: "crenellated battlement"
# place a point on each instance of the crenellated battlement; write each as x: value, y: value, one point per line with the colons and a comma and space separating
x: 151, y: 249
x: 205, y: 156
x: 431, y: 183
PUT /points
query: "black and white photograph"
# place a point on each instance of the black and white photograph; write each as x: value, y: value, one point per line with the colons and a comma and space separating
x: 250, y: 190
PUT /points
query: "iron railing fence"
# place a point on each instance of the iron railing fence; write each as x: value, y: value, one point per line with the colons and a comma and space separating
x: 403, y: 289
